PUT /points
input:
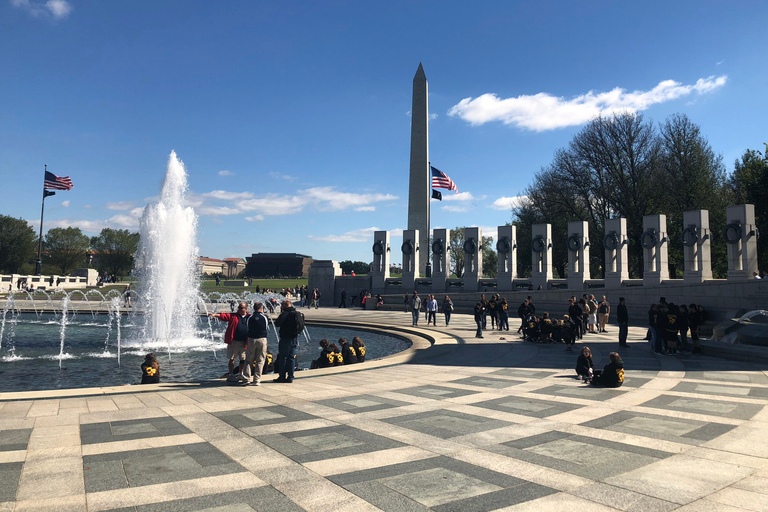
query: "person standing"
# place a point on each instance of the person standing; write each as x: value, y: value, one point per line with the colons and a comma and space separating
x: 236, y: 337
x: 622, y: 315
x: 432, y: 310
x: 415, y: 305
x: 406, y: 301
x: 291, y: 323
x: 694, y: 320
x: 256, y: 349
x: 343, y: 299
x: 603, y: 310
x: 479, y: 317
x: 492, y: 311
x: 575, y: 314
x: 447, y: 309
x: 503, y: 312
x: 126, y: 295
x: 523, y: 312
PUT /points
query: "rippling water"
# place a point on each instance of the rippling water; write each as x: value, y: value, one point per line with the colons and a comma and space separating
x: 29, y: 356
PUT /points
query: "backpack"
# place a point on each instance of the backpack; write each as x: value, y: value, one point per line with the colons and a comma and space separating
x: 299, y: 319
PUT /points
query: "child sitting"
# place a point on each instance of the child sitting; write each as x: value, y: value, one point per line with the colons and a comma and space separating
x: 150, y: 370
x: 584, y: 365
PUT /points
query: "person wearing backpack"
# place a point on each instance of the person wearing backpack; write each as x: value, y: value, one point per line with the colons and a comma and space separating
x: 291, y: 324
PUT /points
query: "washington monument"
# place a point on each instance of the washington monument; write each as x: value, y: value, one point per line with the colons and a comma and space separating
x: 419, y: 189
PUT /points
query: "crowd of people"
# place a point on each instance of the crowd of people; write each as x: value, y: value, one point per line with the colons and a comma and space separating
x: 669, y: 325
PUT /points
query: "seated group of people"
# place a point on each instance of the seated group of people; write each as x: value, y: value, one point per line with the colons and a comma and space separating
x: 546, y: 330
x: 612, y: 376
x: 332, y: 355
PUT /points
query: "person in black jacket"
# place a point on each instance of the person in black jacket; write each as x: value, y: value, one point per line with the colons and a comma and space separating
x: 670, y: 326
x: 150, y: 370
x: 682, y: 325
x: 336, y: 358
x: 575, y: 314
x: 479, y: 315
x: 326, y: 358
x: 694, y: 321
x: 359, y: 347
x: 584, y: 366
x: 348, y: 352
x: 612, y: 376
x: 291, y: 324
x: 622, y: 316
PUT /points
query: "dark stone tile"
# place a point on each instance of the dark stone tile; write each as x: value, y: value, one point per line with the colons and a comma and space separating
x: 262, y: 416
x: 14, y: 439
x: 263, y: 499
x: 664, y: 428
x: 527, y: 406
x: 362, y: 403
x: 525, y: 374
x: 716, y: 388
x: 446, y: 424
x: 488, y: 382
x: 703, y: 406
x: 435, y: 392
x: 10, y: 474
x: 127, y: 430
x: 104, y: 476
x: 495, y: 500
x: 386, y: 499
x: 581, y: 391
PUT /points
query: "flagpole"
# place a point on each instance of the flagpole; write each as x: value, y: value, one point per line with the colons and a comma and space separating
x: 429, y: 217
x: 39, y: 262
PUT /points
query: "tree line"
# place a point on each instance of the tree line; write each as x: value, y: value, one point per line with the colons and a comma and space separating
x: 626, y: 166
x: 64, y: 249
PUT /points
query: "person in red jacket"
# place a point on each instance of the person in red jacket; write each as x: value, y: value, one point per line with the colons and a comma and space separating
x: 236, y: 336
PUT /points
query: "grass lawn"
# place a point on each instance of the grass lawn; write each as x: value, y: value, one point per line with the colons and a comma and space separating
x: 209, y: 285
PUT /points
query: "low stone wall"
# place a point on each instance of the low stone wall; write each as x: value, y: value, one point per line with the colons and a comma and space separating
x: 79, y: 279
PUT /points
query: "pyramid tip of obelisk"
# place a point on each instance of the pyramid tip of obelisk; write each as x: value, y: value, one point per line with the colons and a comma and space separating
x: 420, y: 73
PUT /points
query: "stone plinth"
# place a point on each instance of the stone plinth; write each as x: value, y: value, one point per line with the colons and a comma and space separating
x: 322, y: 275
x: 473, y: 257
x: 654, y: 242
x: 441, y: 258
x: 578, y: 254
x: 696, y: 241
x: 741, y: 238
x: 616, y: 252
x: 506, y: 252
x: 411, y: 258
x: 541, y: 255
x: 381, y: 254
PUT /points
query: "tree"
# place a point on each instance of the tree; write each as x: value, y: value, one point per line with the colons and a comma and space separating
x: 456, y: 248
x: 113, y: 251
x: 749, y: 183
x: 358, y: 267
x: 18, y: 244
x: 65, y: 249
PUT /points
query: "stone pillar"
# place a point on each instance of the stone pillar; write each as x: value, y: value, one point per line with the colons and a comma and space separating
x: 411, y: 258
x: 578, y: 254
x: 541, y: 255
x: 322, y: 275
x: 654, y: 242
x: 741, y: 238
x: 380, y: 266
x: 616, y: 252
x: 696, y: 241
x: 473, y: 258
x: 506, y: 252
x: 441, y: 258
x: 420, y: 182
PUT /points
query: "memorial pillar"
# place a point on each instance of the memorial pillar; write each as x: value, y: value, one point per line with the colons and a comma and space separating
x: 578, y: 254
x: 506, y: 252
x: 381, y: 253
x: 741, y: 237
x: 616, y: 252
x: 696, y: 241
x: 411, y: 258
x: 473, y: 258
x: 441, y: 258
x: 654, y: 242
x: 541, y: 255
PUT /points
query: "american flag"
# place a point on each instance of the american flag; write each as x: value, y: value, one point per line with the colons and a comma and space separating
x: 56, y: 183
x: 441, y: 180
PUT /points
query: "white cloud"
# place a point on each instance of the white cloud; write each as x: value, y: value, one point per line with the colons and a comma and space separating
x: 456, y: 209
x: 330, y: 199
x: 273, y: 204
x: 461, y: 196
x: 120, y: 205
x: 227, y: 196
x: 507, y: 203
x: 65, y: 204
x: 358, y: 235
x: 217, y: 210
x: 57, y: 9
x: 226, y: 173
x: 255, y: 218
x: 432, y: 117
x: 282, y: 176
x: 542, y: 111
x: 491, y: 231
x: 365, y: 209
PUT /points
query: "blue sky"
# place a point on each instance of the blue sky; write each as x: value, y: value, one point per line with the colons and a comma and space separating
x: 292, y: 118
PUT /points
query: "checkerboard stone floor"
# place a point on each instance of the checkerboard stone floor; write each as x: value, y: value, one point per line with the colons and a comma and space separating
x: 457, y: 426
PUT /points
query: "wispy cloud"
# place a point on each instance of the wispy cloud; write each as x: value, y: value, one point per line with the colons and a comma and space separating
x: 226, y: 173
x: 365, y: 209
x: 358, y: 235
x: 543, y: 111
x: 456, y: 208
x: 461, y: 196
x: 507, y: 203
x: 56, y: 9
x: 279, y: 175
x: 224, y: 195
x: 65, y: 204
x: 120, y: 205
x: 255, y: 218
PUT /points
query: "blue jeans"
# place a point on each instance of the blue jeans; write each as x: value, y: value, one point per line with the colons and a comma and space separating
x: 286, y: 351
x: 623, y: 331
x: 479, y: 332
x: 415, y: 314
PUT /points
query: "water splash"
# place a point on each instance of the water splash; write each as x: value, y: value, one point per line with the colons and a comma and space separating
x: 167, y: 262
x: 63, y: 329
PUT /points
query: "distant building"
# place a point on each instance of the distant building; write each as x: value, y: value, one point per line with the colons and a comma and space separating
x: 229, y: 267
x: 234, y: 266
x: 274, y: 264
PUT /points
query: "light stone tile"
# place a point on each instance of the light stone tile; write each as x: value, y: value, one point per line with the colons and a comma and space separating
x: 729, y: 457
x: 122, y: 415
x: 758, y: 484
x: 44, y: 486
x: 745, y: 439
x: 40, y: 443
x: 161, y: 493
x: 13, y: 456
x: 320, y: 495
x: 65, y: 417
x: 741, y: 498
x: 52, y: 453
x: 558, y: 503
x: 622, y: 499
x: 62, y: 430
x: 101, y: 405
x: 367, y: 460
x: 74, y: 503
x: 140, y: 444
x: 7, y: 506
x: 707, y: 505
x: 44, y: 408
x: 680, y: 479
x: 293, y: 426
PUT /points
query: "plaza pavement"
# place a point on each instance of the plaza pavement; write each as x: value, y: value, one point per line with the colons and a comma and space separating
x: 454, y: 424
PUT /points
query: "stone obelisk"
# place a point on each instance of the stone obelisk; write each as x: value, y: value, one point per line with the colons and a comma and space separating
x: 419, y: 189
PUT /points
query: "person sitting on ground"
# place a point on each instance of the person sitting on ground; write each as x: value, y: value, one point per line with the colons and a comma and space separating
x: 532, y: 331
x: 359, y: 347
x: 326, y: 358
x: 546, y: 328
x: 336, y: 358
x: 150, y: 370
x: 348, y: 352
x: 584, y: 366
x: 612, y: 376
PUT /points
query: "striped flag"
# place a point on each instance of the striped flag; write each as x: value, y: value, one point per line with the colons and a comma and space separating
x: 441, y: 180
x: 56, y: 183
